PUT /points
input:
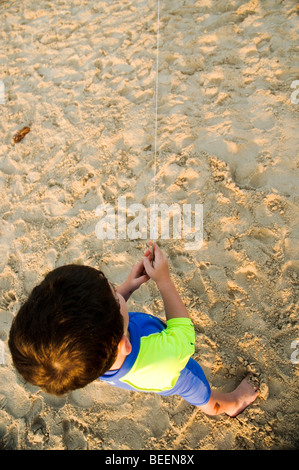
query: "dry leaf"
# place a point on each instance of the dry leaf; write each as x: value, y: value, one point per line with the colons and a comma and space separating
x: 21, y: 134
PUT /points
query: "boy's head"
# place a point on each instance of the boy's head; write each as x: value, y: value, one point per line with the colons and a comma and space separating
x: 67, y: 333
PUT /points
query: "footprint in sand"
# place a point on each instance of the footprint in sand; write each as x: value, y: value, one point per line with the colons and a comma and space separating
x: 10, y: 439
x: 73, y: 435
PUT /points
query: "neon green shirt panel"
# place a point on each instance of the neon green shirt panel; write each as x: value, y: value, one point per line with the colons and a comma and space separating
x: 162, y: 356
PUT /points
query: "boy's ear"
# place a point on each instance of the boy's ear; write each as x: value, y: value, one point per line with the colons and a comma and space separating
x: 125, y: 346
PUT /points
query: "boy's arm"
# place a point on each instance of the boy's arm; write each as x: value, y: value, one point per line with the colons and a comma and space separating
x: 174, y: 307
x: 136, y: 277
x: 173, y: 304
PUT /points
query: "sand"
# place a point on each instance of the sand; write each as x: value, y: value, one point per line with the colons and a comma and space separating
x: 81, y: 75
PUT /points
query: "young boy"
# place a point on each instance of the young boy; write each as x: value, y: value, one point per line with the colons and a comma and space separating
x: 75, y: 328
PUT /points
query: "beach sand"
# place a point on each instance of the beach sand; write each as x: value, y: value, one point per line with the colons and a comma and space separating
x: 81, y: 75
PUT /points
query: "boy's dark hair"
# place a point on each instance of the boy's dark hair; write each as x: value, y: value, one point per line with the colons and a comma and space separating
x: 67, y: 332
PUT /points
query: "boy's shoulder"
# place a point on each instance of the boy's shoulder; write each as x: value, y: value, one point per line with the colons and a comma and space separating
x: 145, y: 323
x: 164, y: 350
x: 157, y: 339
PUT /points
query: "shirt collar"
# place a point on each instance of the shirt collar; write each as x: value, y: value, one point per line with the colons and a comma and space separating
x: 131, y: 358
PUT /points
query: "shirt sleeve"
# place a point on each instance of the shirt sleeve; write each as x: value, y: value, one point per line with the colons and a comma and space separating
x: 162, y: 356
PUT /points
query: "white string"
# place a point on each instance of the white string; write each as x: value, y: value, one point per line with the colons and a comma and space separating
x: 156, y: 120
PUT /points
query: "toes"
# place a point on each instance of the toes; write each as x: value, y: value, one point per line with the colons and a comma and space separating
x: 253, y: 381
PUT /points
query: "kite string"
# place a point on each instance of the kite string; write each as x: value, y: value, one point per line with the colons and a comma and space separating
x: 156, y: 120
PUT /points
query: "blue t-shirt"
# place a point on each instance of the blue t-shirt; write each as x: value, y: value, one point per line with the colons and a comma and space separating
x: 160, y: 360
x: 159, y: 353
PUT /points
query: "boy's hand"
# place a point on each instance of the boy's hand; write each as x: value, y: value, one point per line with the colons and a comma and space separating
x: 136, y: 277
x: 159, y: 271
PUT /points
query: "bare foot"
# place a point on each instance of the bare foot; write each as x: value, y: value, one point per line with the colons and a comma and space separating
x: 244, y: 395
